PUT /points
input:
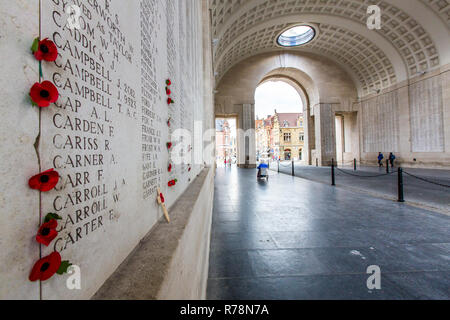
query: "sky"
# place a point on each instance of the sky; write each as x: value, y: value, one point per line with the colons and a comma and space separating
x: 278, y: 95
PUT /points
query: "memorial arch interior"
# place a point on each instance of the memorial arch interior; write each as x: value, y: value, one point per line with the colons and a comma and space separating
x: 131, y: 131
x: 379, y: 80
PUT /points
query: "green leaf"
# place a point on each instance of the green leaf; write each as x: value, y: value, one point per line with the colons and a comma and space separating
x: 63, y: 267
x: 52, y: 216
x: 35, y: 45
x: 34, y: 104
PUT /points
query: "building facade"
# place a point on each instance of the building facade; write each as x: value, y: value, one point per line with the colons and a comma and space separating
x: 280, y: 136
x: 291, y: 135
x: 225, y: 141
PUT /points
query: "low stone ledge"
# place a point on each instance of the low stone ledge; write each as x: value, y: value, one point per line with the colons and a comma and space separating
x: 171, y: 262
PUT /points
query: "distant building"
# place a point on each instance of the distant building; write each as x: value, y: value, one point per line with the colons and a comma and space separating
x: 226, y: 142
x: 281, y: 136
x: 291, y: 135
x: 264, y: 139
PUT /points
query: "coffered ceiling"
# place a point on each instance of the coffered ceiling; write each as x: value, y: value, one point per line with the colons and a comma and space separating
x: 414, y: 35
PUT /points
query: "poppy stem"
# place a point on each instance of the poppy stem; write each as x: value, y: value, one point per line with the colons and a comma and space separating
x: 40, y: 70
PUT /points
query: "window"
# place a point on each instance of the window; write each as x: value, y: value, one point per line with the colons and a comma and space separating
x: 287, y: 137
x: 301, y: 137
x: 301, y: 123
x: 296, y: 36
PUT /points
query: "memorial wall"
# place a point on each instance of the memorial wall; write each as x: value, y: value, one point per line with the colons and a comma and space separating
x: 130, y: 96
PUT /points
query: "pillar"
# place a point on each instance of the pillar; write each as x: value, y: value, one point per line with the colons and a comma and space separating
x: 325, y: 132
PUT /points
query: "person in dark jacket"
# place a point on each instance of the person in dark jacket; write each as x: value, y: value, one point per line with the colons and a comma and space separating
x: 380, y: 159
x: 391, y: 159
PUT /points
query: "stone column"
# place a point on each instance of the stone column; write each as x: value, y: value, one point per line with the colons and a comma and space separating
x: 246, y: 137
x: 325, y: 133
x: 404, y: 121
x: 446, y: 108
x: 309, y: 136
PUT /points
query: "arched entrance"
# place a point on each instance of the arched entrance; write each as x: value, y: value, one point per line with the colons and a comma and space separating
x: 324, y: 87
x: 302, y: 137
x: 279, y: 121
x: 287, y: 154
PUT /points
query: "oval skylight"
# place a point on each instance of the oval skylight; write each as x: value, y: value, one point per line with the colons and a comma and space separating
x: 296, y: 36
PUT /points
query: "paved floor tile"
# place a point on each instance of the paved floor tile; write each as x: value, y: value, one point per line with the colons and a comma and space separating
x: 291, y: 238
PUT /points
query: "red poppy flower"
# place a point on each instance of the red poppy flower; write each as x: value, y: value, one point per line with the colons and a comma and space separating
x: 169, y: 168
x: 43, y: 94
x: 170, y: 101
x: 168, y: 92
x: 168, y: 82
x: 168, y: 123
x: 169, y: 145
x: 44, y: 181
x: 46, y: 50
x: 172, y: 183
x: 189, y: 170
x: 162, y: 198
x: 47, y: 232
x: 45, y: 268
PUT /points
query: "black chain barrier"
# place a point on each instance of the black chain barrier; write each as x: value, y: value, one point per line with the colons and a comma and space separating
x: 288, y: 165
x: 426, y: 180
x: 346, y: 163
x: 360, y: 176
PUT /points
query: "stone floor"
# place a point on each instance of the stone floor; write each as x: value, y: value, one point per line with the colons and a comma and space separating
x: 292, y: 238
x: 415, y: 191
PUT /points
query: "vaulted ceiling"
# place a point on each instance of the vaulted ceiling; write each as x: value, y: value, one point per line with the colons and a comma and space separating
x: 414, y: 35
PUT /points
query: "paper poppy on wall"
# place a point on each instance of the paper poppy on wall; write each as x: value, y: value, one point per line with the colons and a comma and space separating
x: 43, y: 94
x: 168, y: 82
x: 168, y: 92
x: 46, y: 268
x: 170, y: 101
x: 44, y: 181
x: 169, y: 145
x: 44, y: 50
x: 172, y: 183
x: 168, y: 122
x: 169, y: 168
x: 161, y: 196
x: 47, y: 232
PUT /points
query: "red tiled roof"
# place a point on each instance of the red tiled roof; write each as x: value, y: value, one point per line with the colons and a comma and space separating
x: 291, y: 119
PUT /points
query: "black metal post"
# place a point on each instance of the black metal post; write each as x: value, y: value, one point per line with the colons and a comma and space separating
x: 278, y: 166
x: 387, y: 165
x: 354, y: 164
x: 401, y: 197
x: 293, y: 170
x: 333, y: 178
x: 317, y: 162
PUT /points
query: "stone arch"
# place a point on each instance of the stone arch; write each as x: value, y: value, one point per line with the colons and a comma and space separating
x: 308, y: 93
x: 403, y: 48
x: 323, y: 84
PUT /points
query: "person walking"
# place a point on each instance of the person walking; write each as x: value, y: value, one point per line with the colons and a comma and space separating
x: 391, y: 159
x: 380, y: 159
